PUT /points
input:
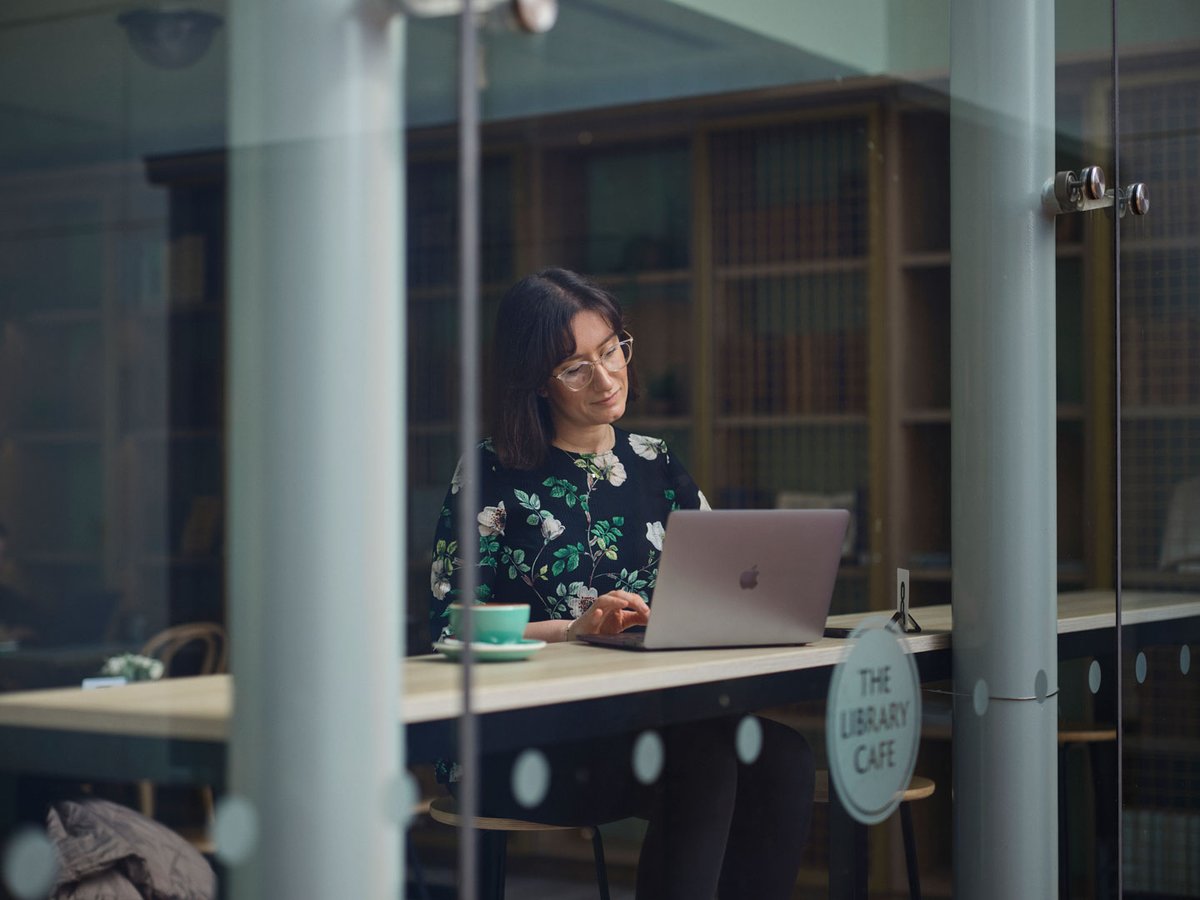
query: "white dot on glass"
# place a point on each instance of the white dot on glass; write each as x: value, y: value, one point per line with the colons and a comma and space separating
x: 723, y: 700
x: 1041, y: 686
x: 235, y: 829
x: 648, y: 756
x: 1185, y: 659
x: 1094, y: 676
x: 749, y: 739
x: 979, y: 697
x: 1139, y: 667
x: 29, y: 864
x: 530, y: 778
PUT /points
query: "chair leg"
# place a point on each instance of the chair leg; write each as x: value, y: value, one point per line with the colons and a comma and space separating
x: 1064, y: 849
x: 414, y: 865
x: 493, y: 846
x: 910, y: 852
x: 601, y: 869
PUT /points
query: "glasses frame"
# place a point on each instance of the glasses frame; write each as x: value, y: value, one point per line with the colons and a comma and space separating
x: 626, y: 358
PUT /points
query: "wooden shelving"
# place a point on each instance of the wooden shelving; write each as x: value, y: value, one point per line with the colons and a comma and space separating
x: 112, y: 400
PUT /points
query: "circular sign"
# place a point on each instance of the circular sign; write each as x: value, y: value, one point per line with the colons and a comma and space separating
x: 873, y: 722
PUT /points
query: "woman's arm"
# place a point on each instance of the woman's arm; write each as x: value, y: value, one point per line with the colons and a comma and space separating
x: 610, y: 613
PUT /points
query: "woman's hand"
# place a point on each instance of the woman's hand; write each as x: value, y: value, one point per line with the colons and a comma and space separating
x: 610, y: 613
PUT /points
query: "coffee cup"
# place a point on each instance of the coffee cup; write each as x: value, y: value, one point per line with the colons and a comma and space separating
x: 494, y: 623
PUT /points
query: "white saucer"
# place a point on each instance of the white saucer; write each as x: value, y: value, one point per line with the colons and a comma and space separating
x: 523, y: 649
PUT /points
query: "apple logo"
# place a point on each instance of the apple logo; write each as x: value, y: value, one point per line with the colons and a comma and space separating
x: 749, y: 578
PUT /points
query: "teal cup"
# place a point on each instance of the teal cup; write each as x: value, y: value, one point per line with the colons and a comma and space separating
x: 495, y: 623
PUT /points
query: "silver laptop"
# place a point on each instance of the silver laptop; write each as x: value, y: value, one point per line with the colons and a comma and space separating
x: 741, y: 578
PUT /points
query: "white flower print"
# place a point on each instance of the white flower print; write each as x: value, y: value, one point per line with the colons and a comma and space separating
x: 611, y: 468
x: 654, y: 534
x: 703, y: 500
x: 438, y: 582
x: 492, y: 520
x: 552, y: 528
x: 580, y: 598
x: 647, y: 447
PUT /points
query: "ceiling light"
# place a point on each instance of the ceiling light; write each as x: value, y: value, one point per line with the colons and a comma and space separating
x: 170, y: 39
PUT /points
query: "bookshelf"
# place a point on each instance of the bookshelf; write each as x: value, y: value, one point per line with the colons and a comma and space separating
x: 433, y: 355
x: 1160, y: 334
x: 57, y: 352
x: 112, y: 402
x: 918, y: 320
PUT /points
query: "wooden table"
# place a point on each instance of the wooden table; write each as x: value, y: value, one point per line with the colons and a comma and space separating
x: 176, y: 730
x: 573, y: 689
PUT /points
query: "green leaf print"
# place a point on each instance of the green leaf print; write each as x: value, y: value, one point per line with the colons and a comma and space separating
x: 529, y: 501
x: 566, y: 559
x: 562, y: 489
x: 630, y: 581
x: 606, y: 533
x: 515, y: 559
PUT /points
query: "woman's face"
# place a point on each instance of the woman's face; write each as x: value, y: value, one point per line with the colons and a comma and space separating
x: 602, y: 402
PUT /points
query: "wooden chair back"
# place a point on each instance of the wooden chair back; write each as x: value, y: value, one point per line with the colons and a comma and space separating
x: 165, y: 645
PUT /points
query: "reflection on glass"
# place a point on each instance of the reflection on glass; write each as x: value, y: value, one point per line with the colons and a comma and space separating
x: 29, y: 865
x: 530, y: 778
x: 647, y: 757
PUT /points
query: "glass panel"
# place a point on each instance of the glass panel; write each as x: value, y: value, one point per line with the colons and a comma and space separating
x: 125, y: 549
x: 1160, y: 451
x: 112, y: 392
x: 641, y: 145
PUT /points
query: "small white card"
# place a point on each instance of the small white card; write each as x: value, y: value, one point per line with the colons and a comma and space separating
x: 106, y: 681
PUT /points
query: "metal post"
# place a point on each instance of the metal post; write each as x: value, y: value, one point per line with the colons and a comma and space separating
x: 1003, y: 500
x: 315, y: 405
x: 469, y: 177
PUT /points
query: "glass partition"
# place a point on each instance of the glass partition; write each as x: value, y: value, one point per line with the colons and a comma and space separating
x: 113, y: 310
x: 230, y: 387
x: 1160, y: 453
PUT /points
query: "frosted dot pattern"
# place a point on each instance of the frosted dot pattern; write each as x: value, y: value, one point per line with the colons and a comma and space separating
x: 530, y: 778
x: 749, y: 740
x: 235, y: 829
x: 29, y: 864
x: 648, y: 754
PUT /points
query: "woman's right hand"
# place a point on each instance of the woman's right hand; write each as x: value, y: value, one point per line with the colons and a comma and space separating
x: 610, y: 613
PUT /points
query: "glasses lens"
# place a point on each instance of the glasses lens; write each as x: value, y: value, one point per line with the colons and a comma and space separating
x: 618, y: 357
x: 577, y: 377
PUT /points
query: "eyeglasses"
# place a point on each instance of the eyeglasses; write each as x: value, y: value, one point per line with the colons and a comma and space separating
x: 614, y: 359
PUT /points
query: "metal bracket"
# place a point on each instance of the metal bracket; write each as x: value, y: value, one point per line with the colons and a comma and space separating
x: 1069, y: 192
x: 531, y: 16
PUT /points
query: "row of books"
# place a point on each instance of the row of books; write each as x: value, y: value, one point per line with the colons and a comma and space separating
x: 780, y: 233
x: 1161, y: 851
x: 805, y: 372
x: 1160, y: 360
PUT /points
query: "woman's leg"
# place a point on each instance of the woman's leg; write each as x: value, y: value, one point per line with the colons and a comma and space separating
x: 690, y: 819
x: 771, y: 818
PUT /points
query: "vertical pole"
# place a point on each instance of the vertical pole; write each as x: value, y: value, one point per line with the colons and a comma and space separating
x: 315, y: 405
x: 1003, y: 503
x: 468, y: 428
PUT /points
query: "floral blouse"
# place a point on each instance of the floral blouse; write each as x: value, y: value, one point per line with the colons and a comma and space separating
x: 559, y: 536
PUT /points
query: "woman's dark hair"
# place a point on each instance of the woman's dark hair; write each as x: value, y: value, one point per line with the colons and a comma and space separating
x: 532, y: 336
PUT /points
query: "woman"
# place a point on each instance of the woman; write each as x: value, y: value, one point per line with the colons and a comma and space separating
x: 572, y: 512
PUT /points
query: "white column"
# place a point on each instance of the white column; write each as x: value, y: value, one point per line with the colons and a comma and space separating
x: 1003, y: 514
x: 315, y: 399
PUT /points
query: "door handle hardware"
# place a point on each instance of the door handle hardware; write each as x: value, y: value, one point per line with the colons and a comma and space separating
x: 1069, y: 192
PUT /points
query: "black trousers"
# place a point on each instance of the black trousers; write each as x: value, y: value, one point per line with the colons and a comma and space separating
x: 718, y: 826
